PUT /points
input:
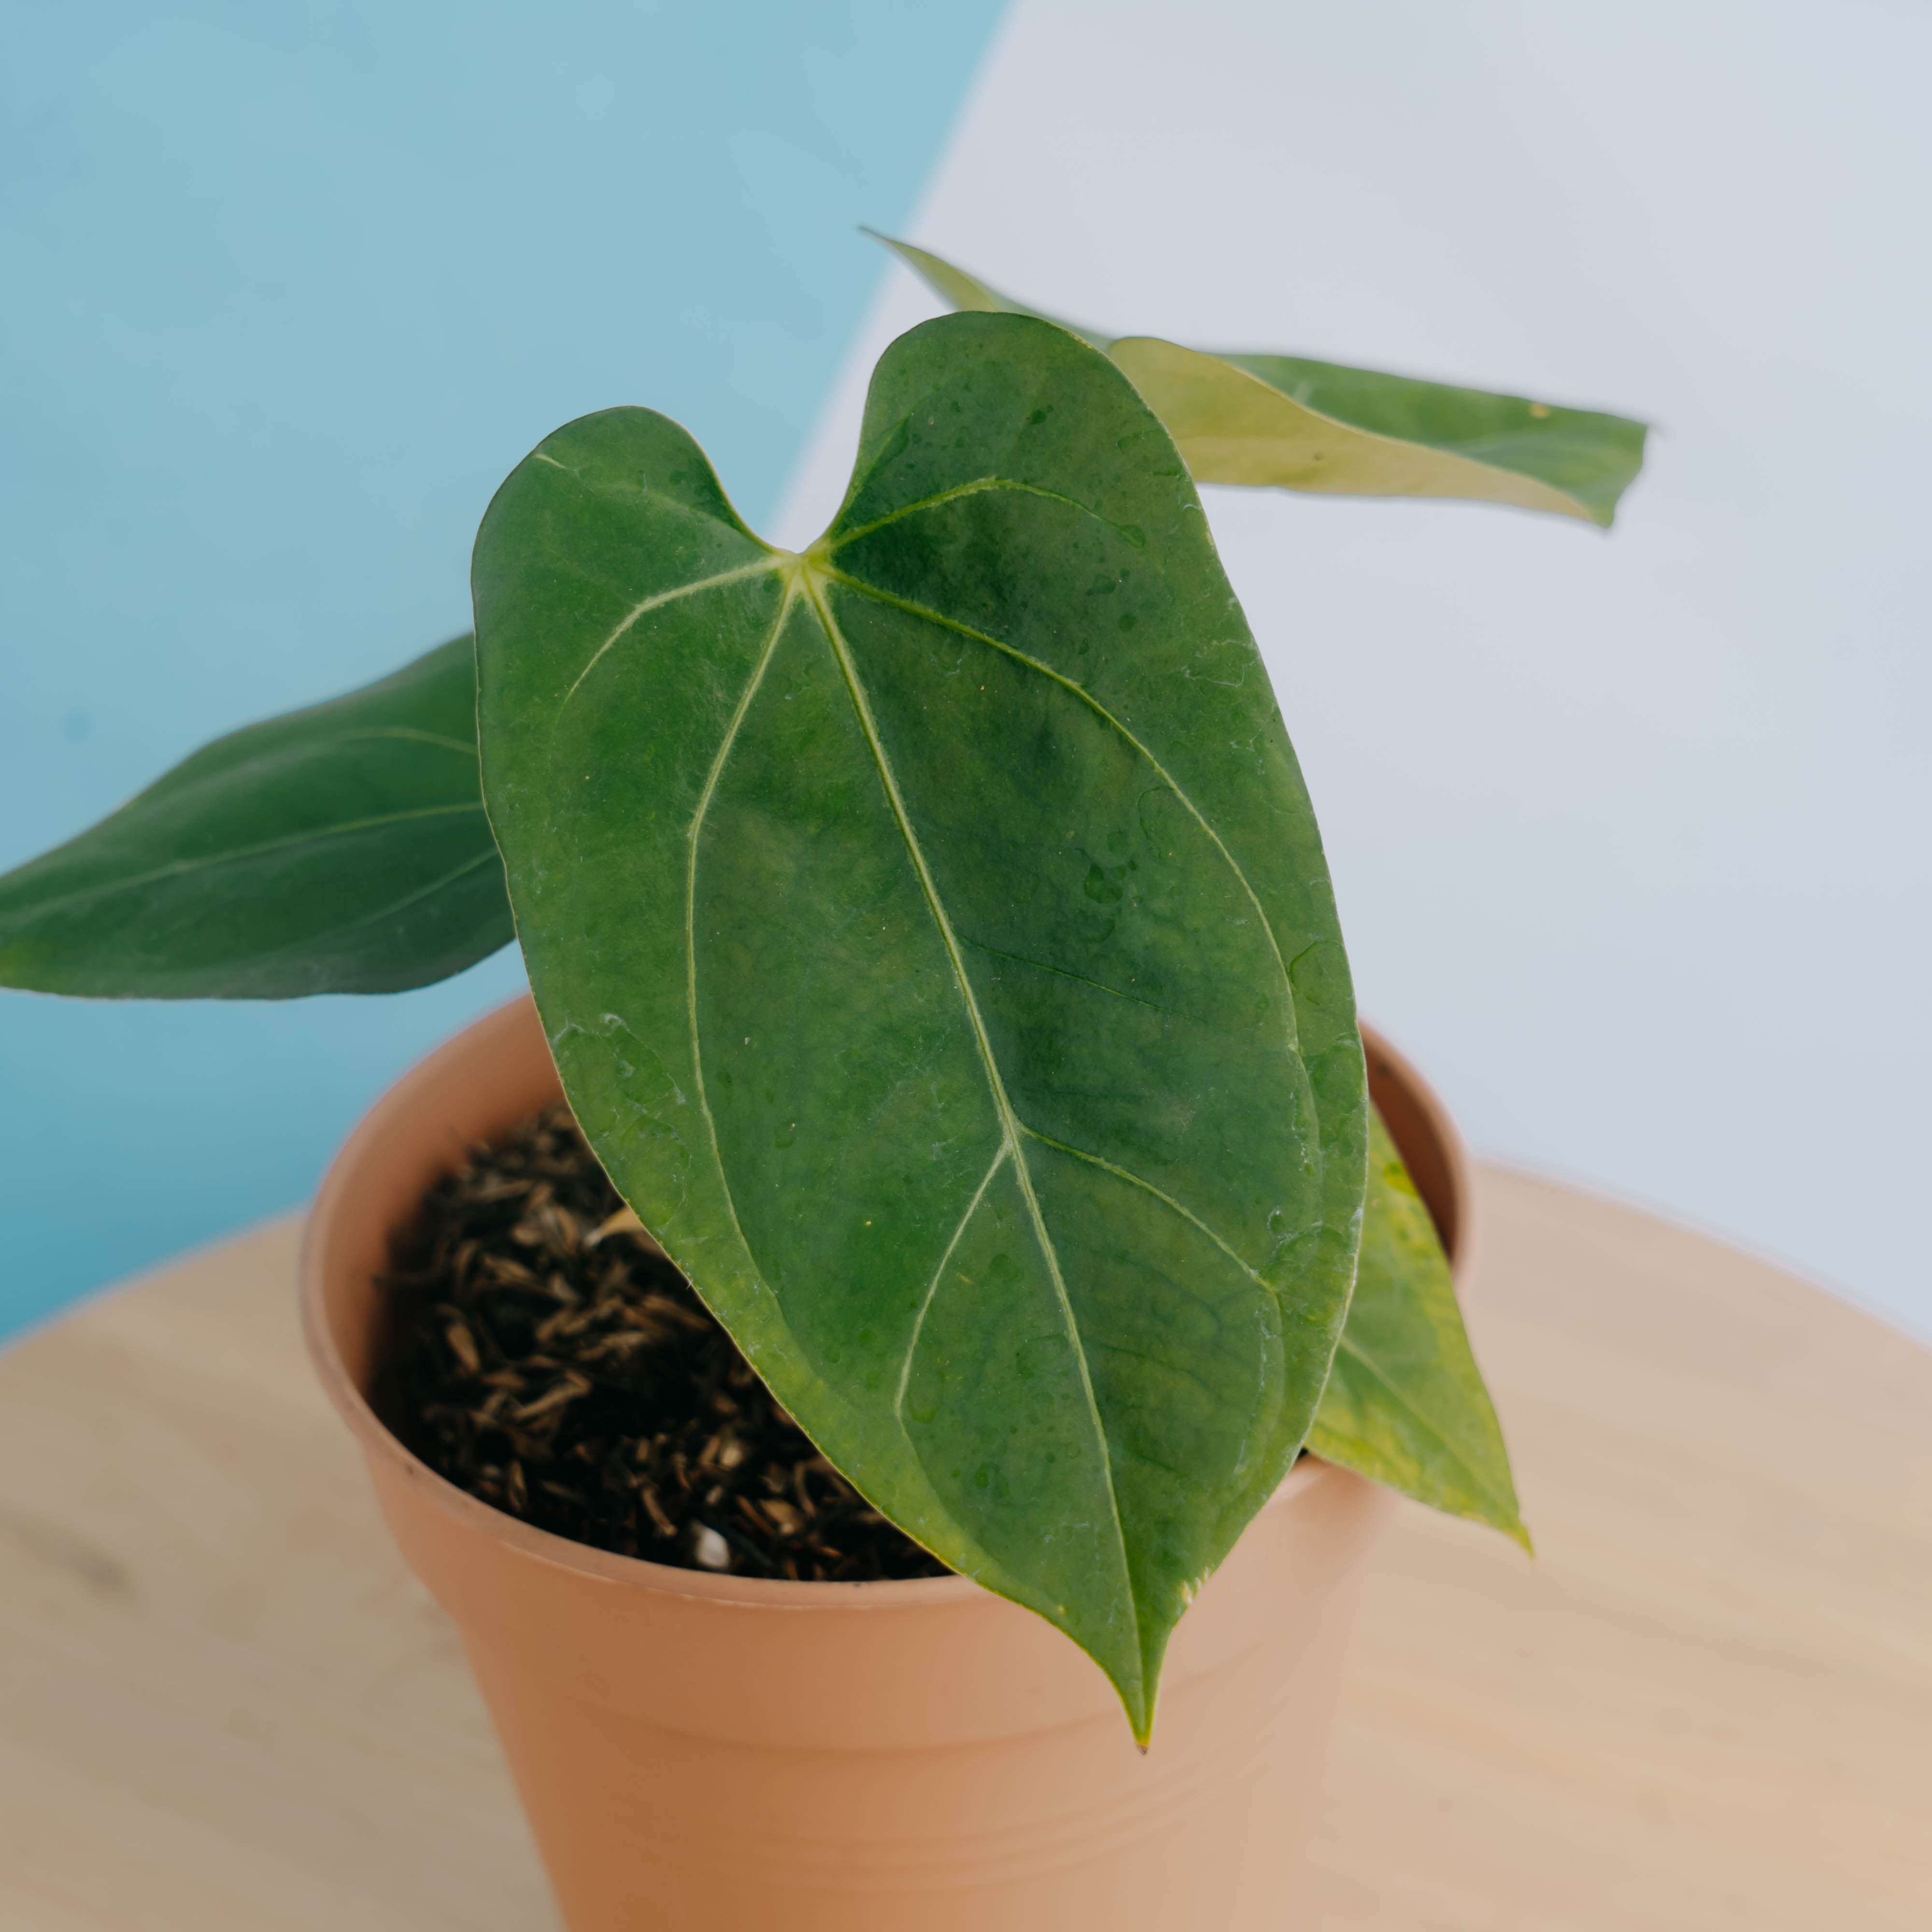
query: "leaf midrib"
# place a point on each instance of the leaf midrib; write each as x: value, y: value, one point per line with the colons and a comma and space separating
x: 211, y: 771
x: 913, y: 609
x: 234, y: 855
x: 719, y: 760
x: 1010, y: 1128
x: 808, y: 577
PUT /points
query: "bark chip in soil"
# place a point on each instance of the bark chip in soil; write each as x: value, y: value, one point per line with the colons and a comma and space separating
x: 543, y: 1357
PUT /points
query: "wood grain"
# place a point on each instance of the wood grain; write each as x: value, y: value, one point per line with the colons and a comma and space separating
x: 1708, y: 1704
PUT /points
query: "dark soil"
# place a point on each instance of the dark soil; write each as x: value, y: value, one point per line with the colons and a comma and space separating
x: 544, y: 1358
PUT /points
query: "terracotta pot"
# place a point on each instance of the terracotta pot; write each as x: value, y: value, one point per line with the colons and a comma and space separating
x: 700, y: 1751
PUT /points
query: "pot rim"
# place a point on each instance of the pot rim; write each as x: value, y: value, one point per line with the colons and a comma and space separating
x: 335, y: 1200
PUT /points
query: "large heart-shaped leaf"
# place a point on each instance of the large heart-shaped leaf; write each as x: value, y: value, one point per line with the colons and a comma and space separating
x: 1299, y: 424
x: 339, y: 849
x: 933, y: 937
x: 1405, y: 1403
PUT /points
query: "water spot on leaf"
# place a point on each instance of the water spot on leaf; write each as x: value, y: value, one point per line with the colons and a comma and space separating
x: 1099, y: 886
x: 1036, y: 1351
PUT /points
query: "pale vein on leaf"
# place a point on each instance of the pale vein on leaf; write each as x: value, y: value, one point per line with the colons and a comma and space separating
x: 234, y: 854
x: 1127, y: 1174
x: 938, y: 1274
x: 413, y: 733
x: 1009, y: 1122
x: 697, y: 817
x: 658, y: 600
x: 932, y: 616
x: 1478, y: 1481
x: 978, y: 485
x: 395, y: 906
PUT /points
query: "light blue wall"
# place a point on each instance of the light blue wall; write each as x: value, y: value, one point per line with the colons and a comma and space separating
x: 287, y: 289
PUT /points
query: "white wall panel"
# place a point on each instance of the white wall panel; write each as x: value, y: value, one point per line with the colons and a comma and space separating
x: 1630, y: 832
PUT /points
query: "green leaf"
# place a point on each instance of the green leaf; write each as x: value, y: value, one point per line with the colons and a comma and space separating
x: 1298, y: 424
x: 340, y: 849
x: 1405, y: 1403
x: 933, y: 937
x: 968, y: 293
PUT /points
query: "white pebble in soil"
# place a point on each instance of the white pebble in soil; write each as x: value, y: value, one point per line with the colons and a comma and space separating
x: 710, y: 1549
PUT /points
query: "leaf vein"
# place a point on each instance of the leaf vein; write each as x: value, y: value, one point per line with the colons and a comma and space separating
x: 1478, y: 1481
x: 413, y: 733
x: 409, y: 899
x: 932, y: 1286
x: 697, y: 817
x: 234, y: 855
x: 1009, y: 1123
x: 657, y: 601
x: 974, y: 488
x: 1127, y: 1174
x: 932, y: 616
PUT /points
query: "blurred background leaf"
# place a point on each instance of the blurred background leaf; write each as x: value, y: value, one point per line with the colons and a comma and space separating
x: 339, y: 849
x: 1405, y: 1403
x: 1299, y: 424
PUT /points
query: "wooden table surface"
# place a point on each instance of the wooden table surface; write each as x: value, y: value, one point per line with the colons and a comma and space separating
x: 1708, y: 1704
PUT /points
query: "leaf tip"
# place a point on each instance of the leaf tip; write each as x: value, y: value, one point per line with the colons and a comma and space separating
x: 1137, y: 1702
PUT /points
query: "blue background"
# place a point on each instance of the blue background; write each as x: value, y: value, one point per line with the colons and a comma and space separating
x: 288, y: 290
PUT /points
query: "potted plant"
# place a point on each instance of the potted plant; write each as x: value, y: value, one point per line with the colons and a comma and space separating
x: 930, y: 933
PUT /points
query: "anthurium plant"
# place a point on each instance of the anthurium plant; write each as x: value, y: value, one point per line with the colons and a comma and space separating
x: 930, y: 928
